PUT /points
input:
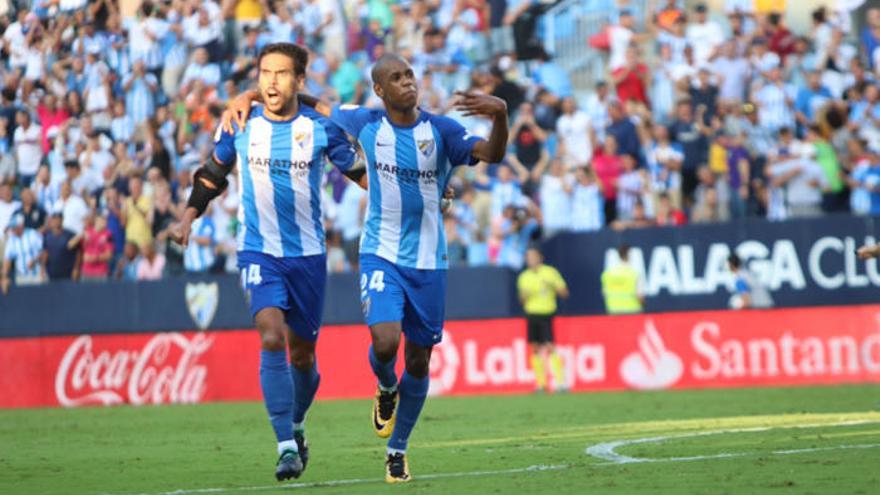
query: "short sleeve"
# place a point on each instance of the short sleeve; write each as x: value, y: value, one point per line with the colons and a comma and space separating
x: 38, y: 240
x: 8, y: 253
x: 224, y: 147
x: 340, y: 151
x: 351, y: 118
x: 459, y: 143
x: 558, y: 281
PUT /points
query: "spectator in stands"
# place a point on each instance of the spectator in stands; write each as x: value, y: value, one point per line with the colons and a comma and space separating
x: 23, y: 248
x: 27, y: 140
x: 34, y: 216
x: 151, y: 265
x: 704, y: 35
x: 870, y: 38
x: 528, y: 138
x: 506, y: 188
x: 692, y: 135
x: 666, y: 214
x: 775, y: 102
x: 135, y: 213
x: 587, y: 201
x: 703, y: 93
x: 793, y: 168
x: 631, y: 186
x: 350, y: 221
x: 608, y: 165
x: 575, y: 133
x: 61, y: 249
x: 555, y: 189
x: 127, y: 267
x: 200, y: 255
x: 733, y: 72
x: 73, y: 207
x: 8, y: 206
x: 810, y: 100
x: 632, y: 79
x: 97, y: 251
x: 621, y: 36
x: 623, y: 130
x: 664, y: 159
x: 738, y: 175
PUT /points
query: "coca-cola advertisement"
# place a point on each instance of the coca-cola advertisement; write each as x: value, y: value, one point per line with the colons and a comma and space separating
x: 659, y: 351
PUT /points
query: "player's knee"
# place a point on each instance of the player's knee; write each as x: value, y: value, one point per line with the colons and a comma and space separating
x: 272, y: 338
x: 418, y: 367
x: 302, y: 359
x: 386, y: 348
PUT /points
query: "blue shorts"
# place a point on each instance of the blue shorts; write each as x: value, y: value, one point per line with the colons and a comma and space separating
x: 415, y: 298
x: 293, y: 285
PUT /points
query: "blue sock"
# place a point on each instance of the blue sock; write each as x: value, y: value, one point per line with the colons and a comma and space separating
x: 277, y: 392
x: 384, y: 371
x: 413, y: 392
x: 305, y: 385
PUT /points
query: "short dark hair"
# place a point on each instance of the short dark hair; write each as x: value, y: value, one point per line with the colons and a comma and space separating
x: 734, y: 260
x: 296, y: 53
x: 380, y: 66
x: 623, y: 251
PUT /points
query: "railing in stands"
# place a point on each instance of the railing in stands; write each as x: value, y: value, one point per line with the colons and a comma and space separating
x: 569, y: 24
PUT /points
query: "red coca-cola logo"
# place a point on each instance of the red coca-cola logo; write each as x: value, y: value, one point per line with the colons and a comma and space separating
x: 165, y: 370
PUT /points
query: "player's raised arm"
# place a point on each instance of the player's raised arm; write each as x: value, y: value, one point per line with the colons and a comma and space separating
x: 494, y: 108
x: 239, y: 108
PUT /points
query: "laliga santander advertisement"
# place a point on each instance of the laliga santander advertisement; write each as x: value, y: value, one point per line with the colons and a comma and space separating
x: 659, y: 351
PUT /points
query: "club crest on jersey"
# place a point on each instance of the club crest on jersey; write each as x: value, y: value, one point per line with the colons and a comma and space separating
x: 201, y: 301
x: 426, y: 146
x: 300, y: 138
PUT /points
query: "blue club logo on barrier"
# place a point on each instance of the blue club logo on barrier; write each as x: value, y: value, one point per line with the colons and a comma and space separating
x: 201, y: 300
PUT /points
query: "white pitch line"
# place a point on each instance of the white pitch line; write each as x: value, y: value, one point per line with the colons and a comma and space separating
x: 607, y: 450
x: 360, y: 481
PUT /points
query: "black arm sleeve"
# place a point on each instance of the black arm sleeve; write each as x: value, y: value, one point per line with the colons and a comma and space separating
x: 208, y: 183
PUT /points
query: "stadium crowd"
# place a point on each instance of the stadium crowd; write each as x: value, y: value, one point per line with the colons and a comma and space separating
x: 703, y: 117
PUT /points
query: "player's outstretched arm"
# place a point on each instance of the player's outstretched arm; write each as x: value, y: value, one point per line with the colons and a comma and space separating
x: 473, y: 103
x: 209, y: 182
x: 239, y: 108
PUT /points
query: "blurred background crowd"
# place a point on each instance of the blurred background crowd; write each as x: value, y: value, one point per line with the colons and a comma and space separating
x: 698, y: 115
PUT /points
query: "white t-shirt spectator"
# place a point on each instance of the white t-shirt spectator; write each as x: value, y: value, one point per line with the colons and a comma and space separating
x: 33, y: 70
x: 74, y: 211
x: 101, y: 159
x: 734, y: 74
x: 15, y: 41
x: 619, y: 38
x: 556, y: 202
x: 587, y: 208
x: 28, y: 151
x: 350, y: 218
x: 574, y: 133
x: 704, y: 38
x: 505, y: 194
x: 198, y: 35
x: 765, y: 62
x: 143, y: 39
x: 805, y: 189
x: 6, y: 211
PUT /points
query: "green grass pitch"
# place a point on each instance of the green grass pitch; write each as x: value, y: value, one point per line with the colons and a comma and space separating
x: 775, y: 440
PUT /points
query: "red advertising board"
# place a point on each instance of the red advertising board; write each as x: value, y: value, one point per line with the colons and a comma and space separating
x: 673, y: 350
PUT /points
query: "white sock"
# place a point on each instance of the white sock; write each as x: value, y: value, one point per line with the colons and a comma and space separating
x: 388, y: 389
x: 287, y: 445
x: 395, y: 451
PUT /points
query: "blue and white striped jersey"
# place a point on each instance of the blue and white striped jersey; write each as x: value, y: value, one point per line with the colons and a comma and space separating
x: 199, y: 258
x: 23, y: 250
x: 408, y: 169
x: 280, y: 166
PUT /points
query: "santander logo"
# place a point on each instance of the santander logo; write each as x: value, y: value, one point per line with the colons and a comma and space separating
x: 652, y: 366
x: 165, y: 370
